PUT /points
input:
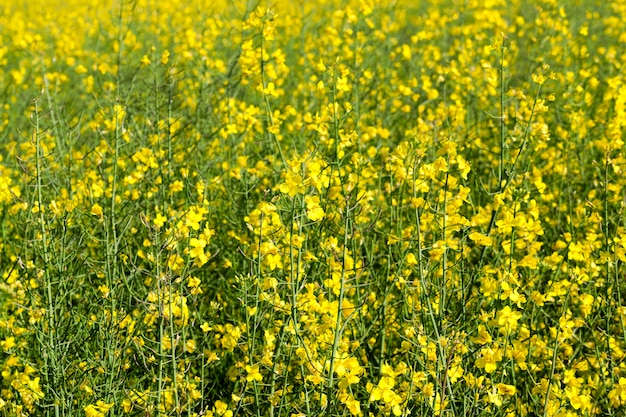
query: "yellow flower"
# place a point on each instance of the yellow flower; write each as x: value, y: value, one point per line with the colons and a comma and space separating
x: 577, y: 400
x: 293, y: 184
x: 480, y: 239
x: 489, y: 359
x: 197, y: 251
x: 8, y: 343
x: 507, y: 318
x: 411, y: 260
x: 97, y: 410
x: 253, y: 373
x: 504, y: 389
x: 483, y: 336
x: 96, y: 210
x: 392, y: 240
x: 313, y: 210
x: 104, y: 290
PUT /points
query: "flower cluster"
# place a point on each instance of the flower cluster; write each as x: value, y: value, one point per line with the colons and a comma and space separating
x: 301, y: 209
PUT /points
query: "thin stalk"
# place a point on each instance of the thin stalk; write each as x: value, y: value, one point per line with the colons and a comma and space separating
x: 268, y: 109
x: 502, y: 116
x: 338, y: 322
x: 50, y: 353
x: 160, y: 377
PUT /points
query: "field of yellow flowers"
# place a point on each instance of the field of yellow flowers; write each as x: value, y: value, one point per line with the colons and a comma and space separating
x: 329, y: 208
